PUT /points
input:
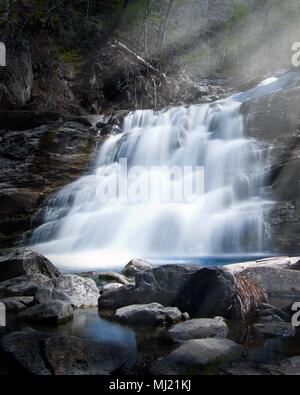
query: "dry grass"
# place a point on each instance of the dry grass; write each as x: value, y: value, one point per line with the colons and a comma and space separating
x: 249, y: 297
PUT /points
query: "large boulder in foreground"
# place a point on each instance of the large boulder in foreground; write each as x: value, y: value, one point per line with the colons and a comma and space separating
x: 53, y: 313
x: 153, y: 314
x: 79, y: 291
x: 201, y: 292
x: 199, y: 328
x: 23, y: 261
x: 198, y: 356
x: 42, y: 353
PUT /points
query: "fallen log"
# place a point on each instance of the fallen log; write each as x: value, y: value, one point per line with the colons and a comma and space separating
x: 139, y: 59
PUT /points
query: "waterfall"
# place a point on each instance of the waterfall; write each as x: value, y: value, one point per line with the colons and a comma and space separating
x: 230, y: 217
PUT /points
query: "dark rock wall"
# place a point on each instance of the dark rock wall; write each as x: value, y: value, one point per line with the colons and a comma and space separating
x: 275, y: 120
x: 35, y: 163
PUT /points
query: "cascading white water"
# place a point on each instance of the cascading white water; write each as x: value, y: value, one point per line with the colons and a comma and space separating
x: 79, y: 231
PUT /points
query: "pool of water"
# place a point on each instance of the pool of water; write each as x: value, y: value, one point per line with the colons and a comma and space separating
x: 216, y: 260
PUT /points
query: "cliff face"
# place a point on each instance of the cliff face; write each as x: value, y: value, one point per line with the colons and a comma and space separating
x: 35, y: 163
x: 275, y: 120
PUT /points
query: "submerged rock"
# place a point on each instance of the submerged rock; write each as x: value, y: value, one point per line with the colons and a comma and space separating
x: 136, y: 266
x: 53, y: 313
x: 196, y: 356
x: 79, y: 291
x: 23, y: 261
x: 22, y: 286
x: 17, y: 303
x: 42, y: 353
x: 199, y: 329
x: 153, y: 314
x: 204, y: 292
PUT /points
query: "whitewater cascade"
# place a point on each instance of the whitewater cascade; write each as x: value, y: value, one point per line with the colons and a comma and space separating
x: 80, y: 231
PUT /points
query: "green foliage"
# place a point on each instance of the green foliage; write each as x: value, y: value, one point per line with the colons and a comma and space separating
x: 239, y: 15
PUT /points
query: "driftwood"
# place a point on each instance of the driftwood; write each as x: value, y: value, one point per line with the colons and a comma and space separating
x: 139, y: 59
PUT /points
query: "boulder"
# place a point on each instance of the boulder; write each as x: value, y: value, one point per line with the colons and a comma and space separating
x: 277, y: 282
x: 153, y: 314
x: 42, y: 353
x: 135, y: 266
x: 53, y: 313
x: 23, y: 261
x: 199, y: 328
x: 79, y: 291
x: 111, y: 277
x: 110, y: 287
x: 269, y: 330
x: 196, y: 356
x: 201, y: 292
x: 22, y: 286
x: 17, y: 303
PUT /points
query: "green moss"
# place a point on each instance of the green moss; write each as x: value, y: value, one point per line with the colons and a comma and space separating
x: 72, y: 57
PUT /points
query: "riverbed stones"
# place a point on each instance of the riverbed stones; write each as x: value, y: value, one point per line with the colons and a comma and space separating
x: 23, y: 261
x: 274, y: 329
x: 136, y: 266
x: 153, y: 314
x: 79, y: 291
x: 199, y: 329
x: 198, y: 356
x: 201, y: 292
x: 42, y: 353
x: 22, y: 286
x: 53, y: 313
x: 277, y: 282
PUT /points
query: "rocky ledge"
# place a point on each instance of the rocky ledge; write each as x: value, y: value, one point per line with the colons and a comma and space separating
x: 202, y: 319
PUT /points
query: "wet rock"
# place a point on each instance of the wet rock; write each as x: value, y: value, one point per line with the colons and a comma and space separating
x: 107, y: 277
x: 42, y: 353
x: 79, y: 291
x: 22, y: 286
x: 23, y: 261
x: 53, y: 313
x: 199, y: 329
x: 153, y: 314
x: 202, y: 293
x: 196, y: 356
x: 269, y: 330
x: 277, y: 282
x: 135, y: 266
x: 17, y: 303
